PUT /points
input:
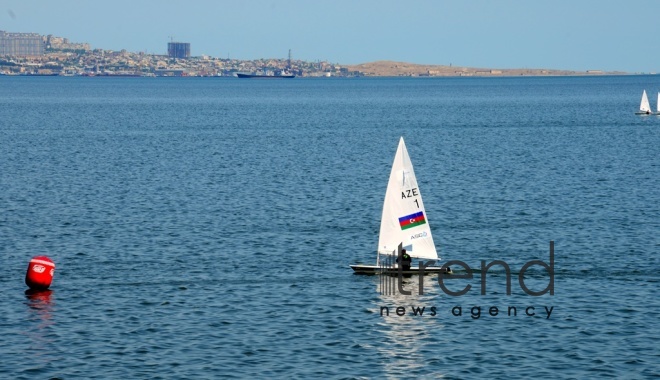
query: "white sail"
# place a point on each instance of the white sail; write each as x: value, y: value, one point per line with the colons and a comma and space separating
x: 657, y: 107
x: 404, y: 220
x: 644, y: 106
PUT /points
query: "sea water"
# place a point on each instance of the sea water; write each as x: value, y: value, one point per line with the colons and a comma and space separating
x: 204, y: 227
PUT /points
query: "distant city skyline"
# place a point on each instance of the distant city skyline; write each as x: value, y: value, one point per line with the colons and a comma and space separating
x: 560, y: 34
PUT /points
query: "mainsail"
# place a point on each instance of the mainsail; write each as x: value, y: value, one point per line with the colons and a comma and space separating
x: 644, y: 106
x: 404, y: 220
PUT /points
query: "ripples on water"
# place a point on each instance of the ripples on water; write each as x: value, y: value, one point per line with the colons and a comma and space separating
x: 203, y: 228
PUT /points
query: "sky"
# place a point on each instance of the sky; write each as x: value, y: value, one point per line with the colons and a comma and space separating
x: 610, y: 35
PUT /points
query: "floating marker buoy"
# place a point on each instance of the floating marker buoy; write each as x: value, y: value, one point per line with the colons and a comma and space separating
x: 40, y: 273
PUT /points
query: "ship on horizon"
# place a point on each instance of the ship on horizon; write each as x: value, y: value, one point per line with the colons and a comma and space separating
x: 267, y: 74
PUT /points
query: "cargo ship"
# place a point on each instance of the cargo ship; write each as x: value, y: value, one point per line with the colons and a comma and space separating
x: 266, y: 75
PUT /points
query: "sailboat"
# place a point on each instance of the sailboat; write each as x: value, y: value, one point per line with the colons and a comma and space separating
x: 404, y: 223
x: 657, y: 107
x: 644, y: 106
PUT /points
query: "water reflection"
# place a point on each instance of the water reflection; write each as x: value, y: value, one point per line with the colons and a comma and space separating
x: 39, y: 330
x: 41, y: 306
x: 407, y: 334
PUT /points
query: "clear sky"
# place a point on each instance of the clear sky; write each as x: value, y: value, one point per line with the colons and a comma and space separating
x: 554, y: 34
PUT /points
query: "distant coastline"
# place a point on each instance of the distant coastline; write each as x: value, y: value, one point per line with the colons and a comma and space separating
x: 211, y: 67
x: 391, y: 68
x: 31, y: 54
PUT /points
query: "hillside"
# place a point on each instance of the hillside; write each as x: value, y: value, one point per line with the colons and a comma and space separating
x: 390, y: 68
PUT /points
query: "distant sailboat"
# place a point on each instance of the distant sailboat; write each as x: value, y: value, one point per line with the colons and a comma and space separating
x: 644, y: 106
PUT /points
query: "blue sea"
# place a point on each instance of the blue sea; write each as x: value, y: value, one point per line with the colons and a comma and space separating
x: 204, y: 227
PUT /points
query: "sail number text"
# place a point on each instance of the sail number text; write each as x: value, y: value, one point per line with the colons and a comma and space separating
x: 410, y: 193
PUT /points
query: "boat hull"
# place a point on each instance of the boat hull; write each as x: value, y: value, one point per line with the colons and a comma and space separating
x: 375, y: 269
x: 258, y: 76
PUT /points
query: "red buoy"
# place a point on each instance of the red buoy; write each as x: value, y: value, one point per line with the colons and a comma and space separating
x: 40, y: 273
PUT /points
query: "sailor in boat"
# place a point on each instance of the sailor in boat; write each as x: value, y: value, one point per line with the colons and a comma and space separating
x: 405, y: 260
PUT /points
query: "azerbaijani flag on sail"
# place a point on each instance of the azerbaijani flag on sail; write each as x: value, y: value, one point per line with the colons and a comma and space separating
x: 412, y: 220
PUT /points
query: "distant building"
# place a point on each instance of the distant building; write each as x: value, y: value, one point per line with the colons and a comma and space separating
x: 61, y: 43
x: 21, y: 44
x: 178, y: 49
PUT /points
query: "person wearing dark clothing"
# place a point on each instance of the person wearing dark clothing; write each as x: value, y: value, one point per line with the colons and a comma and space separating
x: 406, y: 260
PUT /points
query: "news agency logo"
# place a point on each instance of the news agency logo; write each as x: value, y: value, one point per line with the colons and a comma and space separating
x: 391, y: 279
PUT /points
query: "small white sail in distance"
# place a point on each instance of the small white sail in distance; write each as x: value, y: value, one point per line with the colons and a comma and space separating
x: 644, y: 106
x: 404, y: 220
